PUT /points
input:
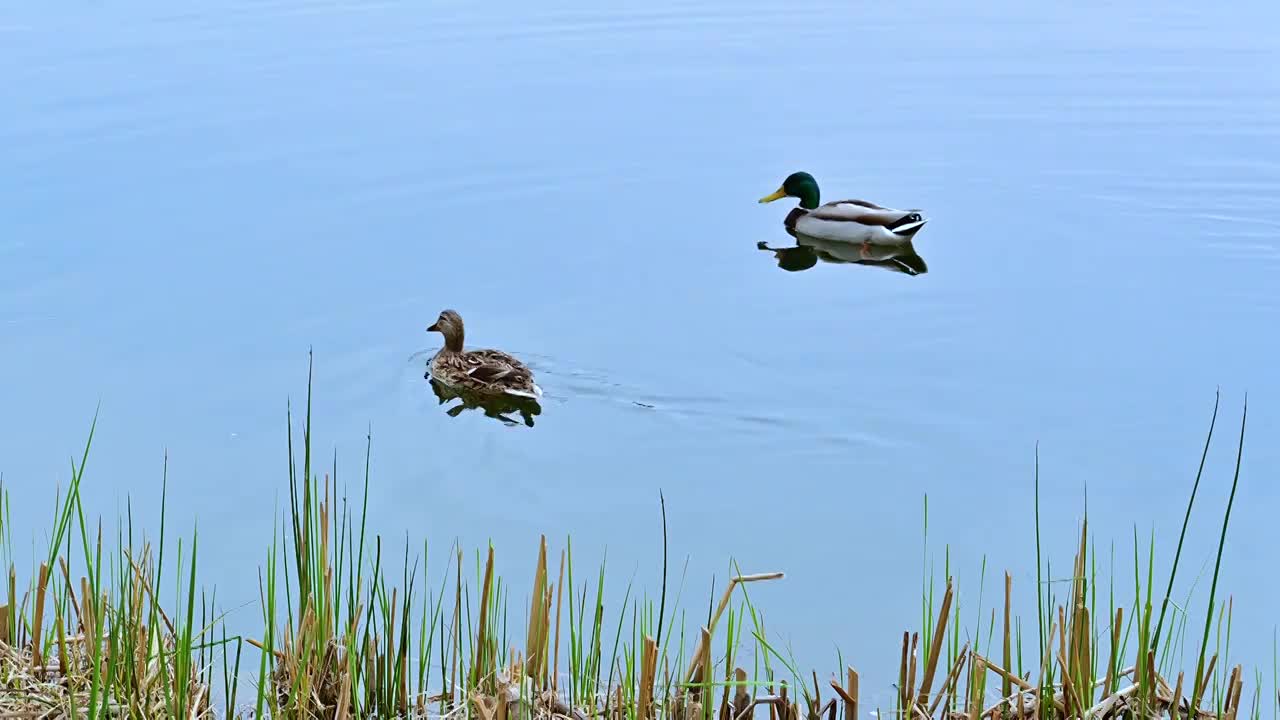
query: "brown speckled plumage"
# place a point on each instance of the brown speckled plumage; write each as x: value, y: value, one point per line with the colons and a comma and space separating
x: 483, y: 372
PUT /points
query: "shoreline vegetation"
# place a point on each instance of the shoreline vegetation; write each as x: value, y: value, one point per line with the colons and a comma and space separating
x: 345, y: 633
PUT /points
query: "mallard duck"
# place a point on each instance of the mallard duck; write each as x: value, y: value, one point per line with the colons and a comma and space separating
x: 852, y: 221
x: 481, y: 372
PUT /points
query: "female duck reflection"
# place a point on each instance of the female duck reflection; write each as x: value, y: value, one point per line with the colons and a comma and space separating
x: 498, y: 408
x: 809, y: 250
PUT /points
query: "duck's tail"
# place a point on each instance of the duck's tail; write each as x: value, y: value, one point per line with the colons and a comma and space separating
x: 908, y: 225
x: 911, y: 264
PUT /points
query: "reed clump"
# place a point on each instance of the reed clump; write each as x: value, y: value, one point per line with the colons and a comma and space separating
x: 99, y: 645
x: 349, y: 628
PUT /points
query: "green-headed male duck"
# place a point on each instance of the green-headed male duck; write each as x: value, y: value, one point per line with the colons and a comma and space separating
x: 852, y: 221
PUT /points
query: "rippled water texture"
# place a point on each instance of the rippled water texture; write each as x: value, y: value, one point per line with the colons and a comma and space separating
x: 191, y: 198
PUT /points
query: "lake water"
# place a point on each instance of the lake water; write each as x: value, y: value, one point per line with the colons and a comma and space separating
x: 192, y: 198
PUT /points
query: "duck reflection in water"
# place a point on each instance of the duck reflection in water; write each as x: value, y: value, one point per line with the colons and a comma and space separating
x: 808, y: 251
x: 499, y: 408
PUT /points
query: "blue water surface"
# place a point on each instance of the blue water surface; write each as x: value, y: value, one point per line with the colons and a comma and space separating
x: 194, y: 197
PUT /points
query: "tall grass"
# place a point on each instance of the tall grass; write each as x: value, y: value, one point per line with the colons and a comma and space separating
x: 351, y: 627
x: 87, y: 636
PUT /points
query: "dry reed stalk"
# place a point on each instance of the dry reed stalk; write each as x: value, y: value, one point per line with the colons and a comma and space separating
x: 330, y: 631
x: 1062, y: 636
x: 1067, y: 685
x: 62, y: 646
x: 1203, y: 682
x: 484, y: 707
x: 479, y: 669
x: 1070, y: 698
x: 143, y: 586
x: 88, y: 622
x: 1176, y: 703
x: 703, y: 661
x: 308, y: 621
x: 342, y: 712
x: 1006, y: 676
x: 815, y: 702
x: 1164, y: 684
x: 1115, y: 651
x: 726, y: 712
x: 71, y: 595
x: 648, y: 670
x: 994, y: 710
x: 300, y: 660
x: 500, y: 711
x: 280, y: 655
x: 1083, y: 655
x: 904, y: 693
x: 935, y: 649
x: 1044, y: 670
x: 975, y: 697
x: 849, y: 694
x: 1105, y: 707
x: 741, y: 699
x: 852, y: 689
x: 37, y: 621
x: 1231, y: 699
x: 749, y: 710
x: 533, y: 647
x: 1235, y: 704
x: 544, y: 637
x: 139, y: 650
x: 953, y: 677
x: 548, y: 601
x: 1081, y: 553
x: 1152, y: 680
x: 194, y: 712
x: 724, y: 602
x: 911, y: 670
x: 555, y: 673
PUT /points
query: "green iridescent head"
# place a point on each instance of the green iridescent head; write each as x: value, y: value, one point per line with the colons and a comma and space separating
x: 797, y: 185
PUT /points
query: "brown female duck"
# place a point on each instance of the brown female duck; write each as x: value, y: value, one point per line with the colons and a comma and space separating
x: 482, y: 372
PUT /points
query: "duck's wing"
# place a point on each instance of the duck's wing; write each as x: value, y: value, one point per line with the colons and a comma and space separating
x: 493, y: 371
x: 861, y: 212
x: 493, y: 366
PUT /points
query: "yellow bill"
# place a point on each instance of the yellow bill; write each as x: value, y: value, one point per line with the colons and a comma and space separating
x: 781, y: 193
